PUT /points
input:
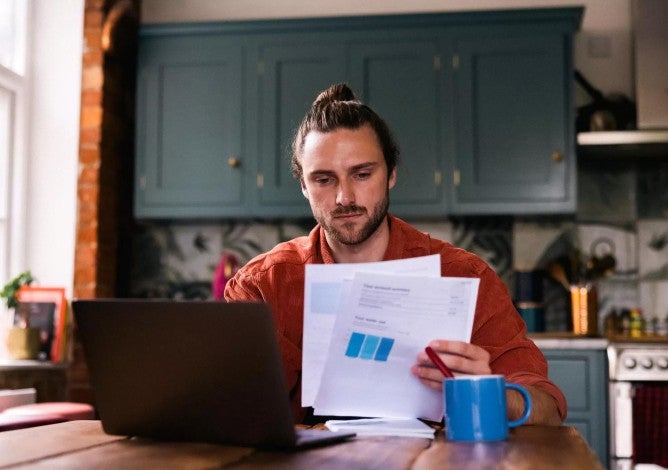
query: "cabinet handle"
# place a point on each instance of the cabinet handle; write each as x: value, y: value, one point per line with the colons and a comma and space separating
x: 557, y: 156
x: 233, y: 162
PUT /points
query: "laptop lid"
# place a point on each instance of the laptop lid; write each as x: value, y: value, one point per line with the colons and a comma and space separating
x: 187, y: 371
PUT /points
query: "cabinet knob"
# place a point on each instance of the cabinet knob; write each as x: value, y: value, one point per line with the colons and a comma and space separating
x: 234, y: 162
x: 557, y: 156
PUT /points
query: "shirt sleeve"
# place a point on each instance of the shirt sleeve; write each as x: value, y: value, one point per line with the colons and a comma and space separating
x: 501, y: 331
x: 241, y: 288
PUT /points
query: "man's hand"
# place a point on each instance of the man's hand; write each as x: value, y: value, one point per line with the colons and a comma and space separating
x: 468, y: 359
x: 459, y: 356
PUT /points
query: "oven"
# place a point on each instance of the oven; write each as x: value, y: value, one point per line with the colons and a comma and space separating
x: 638, y: 374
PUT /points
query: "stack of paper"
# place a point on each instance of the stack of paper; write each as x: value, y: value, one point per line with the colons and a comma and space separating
x: 383, y: 427
x: 364, y: 326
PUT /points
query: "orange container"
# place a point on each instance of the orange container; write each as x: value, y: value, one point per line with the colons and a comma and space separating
x: 584, y: 306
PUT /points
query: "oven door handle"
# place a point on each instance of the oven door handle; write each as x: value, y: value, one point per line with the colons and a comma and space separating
x: 621, y: 419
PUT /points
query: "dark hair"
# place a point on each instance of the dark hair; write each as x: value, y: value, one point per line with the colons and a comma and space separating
x: 337, y: 107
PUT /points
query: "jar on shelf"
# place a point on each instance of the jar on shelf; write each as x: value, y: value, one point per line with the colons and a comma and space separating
x: 662, y: 326
x: 637, y: 323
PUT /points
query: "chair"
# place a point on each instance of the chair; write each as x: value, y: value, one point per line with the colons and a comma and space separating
x: 18, y: 410
x: 12, y: 422
x: 70, y: 411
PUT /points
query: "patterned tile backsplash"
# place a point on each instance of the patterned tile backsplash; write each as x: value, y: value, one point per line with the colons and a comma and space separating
x: 622, y: 212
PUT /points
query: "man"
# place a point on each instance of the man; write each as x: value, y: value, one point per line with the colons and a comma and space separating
x: 345, y: 160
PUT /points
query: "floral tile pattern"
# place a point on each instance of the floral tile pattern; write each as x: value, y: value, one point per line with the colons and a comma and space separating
x: 490, y: 238
x: 653, y: 249
x: 607, y: 192
x: 175, y: 260
x: 536, y: 243
x: 652, y: 191
x: 598, y: 240
x: 654, y: 299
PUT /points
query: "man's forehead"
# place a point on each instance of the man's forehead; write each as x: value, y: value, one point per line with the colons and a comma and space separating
x: 342, y: 141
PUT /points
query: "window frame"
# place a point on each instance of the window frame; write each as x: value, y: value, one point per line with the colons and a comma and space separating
x: 13, y: 215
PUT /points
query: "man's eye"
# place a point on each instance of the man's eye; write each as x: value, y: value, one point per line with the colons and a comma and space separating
x: 323, y: 180
x: 362, y: 176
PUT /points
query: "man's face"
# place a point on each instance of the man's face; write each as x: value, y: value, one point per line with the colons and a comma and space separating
x: 346, y: 182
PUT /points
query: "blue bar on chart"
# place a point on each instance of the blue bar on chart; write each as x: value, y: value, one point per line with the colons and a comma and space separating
x: 384, y: 349
x: 369, y: 347
x: 355, y: 344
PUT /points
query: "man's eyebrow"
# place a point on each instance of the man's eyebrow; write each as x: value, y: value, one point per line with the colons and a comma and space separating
x: 321, y: 172
x: 352, y: 169
x: 364, y: 166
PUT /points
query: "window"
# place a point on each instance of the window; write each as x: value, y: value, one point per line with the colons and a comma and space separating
x: 13, y: 26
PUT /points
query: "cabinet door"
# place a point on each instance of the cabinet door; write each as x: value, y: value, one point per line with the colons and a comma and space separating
x: 189, y: 125
x: 582, y: 377
x: 293, y: 70
x: 400, y: 81
x: 513, y: 139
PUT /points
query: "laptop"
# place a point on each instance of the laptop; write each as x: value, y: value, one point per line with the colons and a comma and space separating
x: 199, y: 371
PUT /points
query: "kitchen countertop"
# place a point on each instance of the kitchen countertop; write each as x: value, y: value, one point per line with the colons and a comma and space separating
x: 567, y: 340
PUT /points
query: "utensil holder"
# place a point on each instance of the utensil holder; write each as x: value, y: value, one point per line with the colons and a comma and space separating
x: 584, y: 307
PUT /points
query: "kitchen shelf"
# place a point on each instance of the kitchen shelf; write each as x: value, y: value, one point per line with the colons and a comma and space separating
x: 623, y: 144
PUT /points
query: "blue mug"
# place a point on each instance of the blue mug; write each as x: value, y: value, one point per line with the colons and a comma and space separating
x: 475, y: 408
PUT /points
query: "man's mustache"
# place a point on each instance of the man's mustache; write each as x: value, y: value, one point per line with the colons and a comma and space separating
x: 348, y: 210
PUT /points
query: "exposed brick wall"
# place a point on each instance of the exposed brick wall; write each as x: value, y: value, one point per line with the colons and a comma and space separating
x: 106, y: 137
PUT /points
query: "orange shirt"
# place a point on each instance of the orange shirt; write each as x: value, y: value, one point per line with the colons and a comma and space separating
x: 277, y: 277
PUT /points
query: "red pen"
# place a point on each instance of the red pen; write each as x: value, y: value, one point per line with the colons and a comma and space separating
x: 438, y: 362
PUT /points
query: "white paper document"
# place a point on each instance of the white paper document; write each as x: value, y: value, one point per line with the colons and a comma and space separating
x: 382, y: 427
x: 323, y: 291
x: 385, y: 320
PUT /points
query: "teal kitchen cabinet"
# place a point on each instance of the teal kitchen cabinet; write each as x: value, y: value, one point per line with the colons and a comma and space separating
x: 582, y: 375
x: 190, y: 157
x: 514, y: 139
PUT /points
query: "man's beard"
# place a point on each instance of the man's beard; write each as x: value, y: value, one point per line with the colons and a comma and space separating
x: 347, y: 235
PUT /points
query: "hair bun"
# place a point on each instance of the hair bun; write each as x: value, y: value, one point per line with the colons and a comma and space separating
x: 337, y: 92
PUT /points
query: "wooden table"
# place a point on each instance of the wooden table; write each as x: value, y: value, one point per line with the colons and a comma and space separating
x: 83, y: 444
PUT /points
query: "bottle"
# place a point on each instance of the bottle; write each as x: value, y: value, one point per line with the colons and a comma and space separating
x: 662, y: 326
x: 637, y: 324
x: 625, y: 322
x: 651, y: 326
x: 611, y: 324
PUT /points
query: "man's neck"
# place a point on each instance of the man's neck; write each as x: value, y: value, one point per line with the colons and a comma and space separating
x: 370, y: 250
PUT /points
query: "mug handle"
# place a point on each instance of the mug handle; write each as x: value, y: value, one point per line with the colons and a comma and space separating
x: 527, y: 403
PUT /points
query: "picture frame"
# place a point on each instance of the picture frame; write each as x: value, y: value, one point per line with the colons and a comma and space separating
x: 45, y: 308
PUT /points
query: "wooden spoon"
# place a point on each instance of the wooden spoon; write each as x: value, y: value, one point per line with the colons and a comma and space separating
x: 558, y: 273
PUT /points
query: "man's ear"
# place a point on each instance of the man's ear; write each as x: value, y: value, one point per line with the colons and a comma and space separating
x: 392, y: 179
x: 304, y: 190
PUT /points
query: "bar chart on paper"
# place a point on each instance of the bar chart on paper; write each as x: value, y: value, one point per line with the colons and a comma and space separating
x: 369, y: 347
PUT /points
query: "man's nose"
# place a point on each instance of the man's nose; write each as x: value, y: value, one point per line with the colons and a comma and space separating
x: 345, y: 195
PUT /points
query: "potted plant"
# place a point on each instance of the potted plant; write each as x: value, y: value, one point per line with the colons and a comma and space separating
x: 22, y: 341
